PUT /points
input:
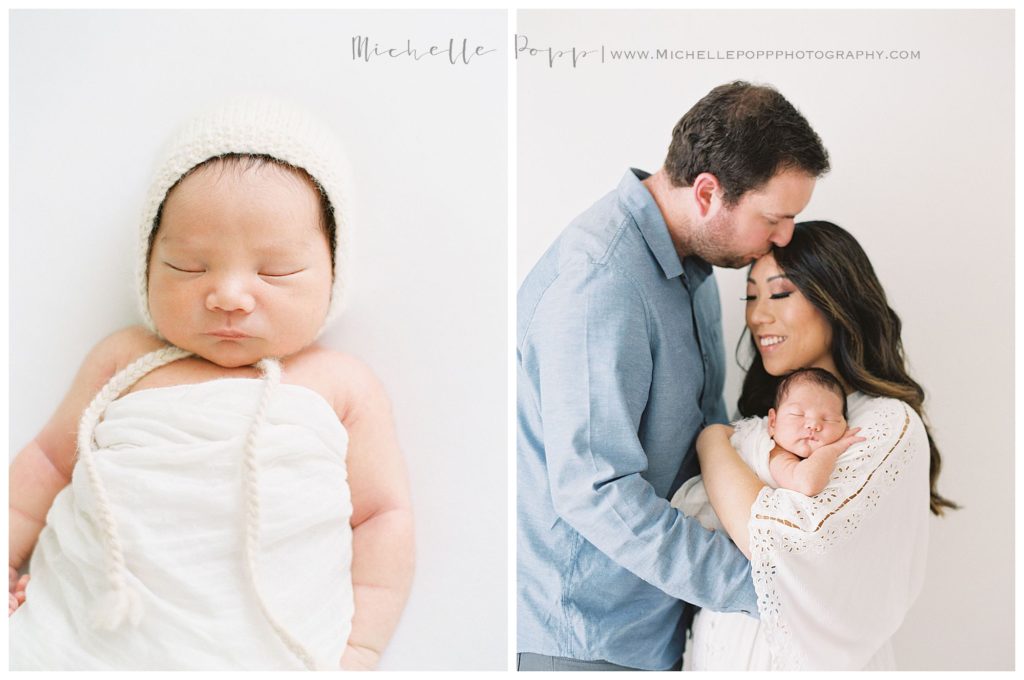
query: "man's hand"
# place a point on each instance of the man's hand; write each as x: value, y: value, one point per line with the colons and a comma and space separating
x: 359, y: 659
x: 16, y: 589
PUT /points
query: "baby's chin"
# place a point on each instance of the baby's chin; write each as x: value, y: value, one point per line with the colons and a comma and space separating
x: 230, y: 354
x: 800, y: 447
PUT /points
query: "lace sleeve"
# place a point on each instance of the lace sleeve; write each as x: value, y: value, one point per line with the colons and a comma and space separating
x: 836, y: 573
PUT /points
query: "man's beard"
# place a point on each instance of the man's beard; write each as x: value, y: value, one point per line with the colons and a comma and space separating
x: 715, y: 243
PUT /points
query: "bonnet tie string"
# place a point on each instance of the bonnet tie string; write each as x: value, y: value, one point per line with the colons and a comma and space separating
x: 121, y: 602
x: 271, y: 370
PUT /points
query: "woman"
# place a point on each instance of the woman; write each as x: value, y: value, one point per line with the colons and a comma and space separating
x: 835, y: 574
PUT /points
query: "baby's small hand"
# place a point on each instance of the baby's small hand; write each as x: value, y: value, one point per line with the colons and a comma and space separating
x: 839, y: 447
x: 16, y: 589
x: 356, y: 658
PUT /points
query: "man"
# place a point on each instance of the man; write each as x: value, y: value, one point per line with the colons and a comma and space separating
x: 620, y: 365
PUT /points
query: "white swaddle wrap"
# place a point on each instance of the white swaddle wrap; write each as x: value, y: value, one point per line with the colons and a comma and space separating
x: 172, y: 464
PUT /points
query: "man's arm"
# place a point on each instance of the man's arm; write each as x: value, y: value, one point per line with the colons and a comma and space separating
x: 589, y: 349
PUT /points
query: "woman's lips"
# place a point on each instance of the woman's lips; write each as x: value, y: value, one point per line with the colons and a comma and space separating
x: 767, y: 343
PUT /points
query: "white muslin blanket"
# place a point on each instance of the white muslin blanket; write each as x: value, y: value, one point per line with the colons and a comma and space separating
x: 171, y: 461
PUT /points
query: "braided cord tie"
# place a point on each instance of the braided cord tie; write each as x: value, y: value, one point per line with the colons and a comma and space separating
x: 122, y: 602
x: 271, y: 370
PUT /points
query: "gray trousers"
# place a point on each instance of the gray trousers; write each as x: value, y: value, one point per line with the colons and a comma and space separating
x: 526, y: 661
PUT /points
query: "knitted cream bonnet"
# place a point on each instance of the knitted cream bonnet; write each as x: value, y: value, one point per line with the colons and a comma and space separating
x: 255, y: 126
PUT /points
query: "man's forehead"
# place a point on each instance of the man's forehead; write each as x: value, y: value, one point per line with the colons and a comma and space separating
x: 784, y: 195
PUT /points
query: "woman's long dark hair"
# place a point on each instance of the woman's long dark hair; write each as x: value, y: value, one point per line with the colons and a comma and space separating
x: 833, y: 272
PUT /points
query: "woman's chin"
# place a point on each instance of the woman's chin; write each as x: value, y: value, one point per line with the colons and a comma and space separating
x: 775, y: 369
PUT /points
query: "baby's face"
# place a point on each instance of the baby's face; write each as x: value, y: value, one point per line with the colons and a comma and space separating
x: 809, y: 417
x: 240, y: 268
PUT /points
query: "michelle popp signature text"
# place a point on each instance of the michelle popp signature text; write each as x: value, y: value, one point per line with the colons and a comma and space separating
x: 456, y: 51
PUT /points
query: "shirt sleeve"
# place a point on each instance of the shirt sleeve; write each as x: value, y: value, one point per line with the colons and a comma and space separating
x: 589, y: 345
x: 836, y: 573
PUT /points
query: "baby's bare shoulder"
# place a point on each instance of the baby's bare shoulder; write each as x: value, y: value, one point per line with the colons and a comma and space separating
x: 347, y: 382
x: 124, y: 346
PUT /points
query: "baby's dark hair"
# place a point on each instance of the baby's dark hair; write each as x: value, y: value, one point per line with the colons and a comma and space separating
x: 815, y: 376
x: 247, y: 162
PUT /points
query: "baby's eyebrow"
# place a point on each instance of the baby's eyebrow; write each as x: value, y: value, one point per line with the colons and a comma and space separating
x: 286, y: 244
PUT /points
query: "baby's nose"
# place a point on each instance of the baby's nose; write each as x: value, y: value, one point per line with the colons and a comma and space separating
x: 230, y: 296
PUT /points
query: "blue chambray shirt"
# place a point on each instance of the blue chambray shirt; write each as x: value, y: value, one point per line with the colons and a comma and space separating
x: 620, y: 365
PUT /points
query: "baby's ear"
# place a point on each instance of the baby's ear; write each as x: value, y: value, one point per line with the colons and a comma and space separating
x: 771, y: 420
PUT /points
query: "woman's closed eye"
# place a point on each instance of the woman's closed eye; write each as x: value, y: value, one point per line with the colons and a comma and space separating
x: 773, y: 296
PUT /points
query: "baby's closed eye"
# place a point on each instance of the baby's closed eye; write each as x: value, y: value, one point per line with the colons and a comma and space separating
x: 186, y: 268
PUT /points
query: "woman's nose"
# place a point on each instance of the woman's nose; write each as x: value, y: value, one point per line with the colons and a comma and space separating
x: 230, y: 294
x: 757, y: 312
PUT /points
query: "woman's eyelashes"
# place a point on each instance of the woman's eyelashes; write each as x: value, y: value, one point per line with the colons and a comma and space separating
x: 774, y: 296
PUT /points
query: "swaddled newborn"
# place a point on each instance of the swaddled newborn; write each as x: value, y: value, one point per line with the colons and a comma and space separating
x: 235, y: 497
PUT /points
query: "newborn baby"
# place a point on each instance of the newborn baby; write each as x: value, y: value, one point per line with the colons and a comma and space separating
x: 809, y: 413
x: 790, y: 448
x: 218, y: 491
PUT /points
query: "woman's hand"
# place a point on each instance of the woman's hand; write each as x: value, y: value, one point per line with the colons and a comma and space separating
x: 16, y: 588
x: 711, y: 438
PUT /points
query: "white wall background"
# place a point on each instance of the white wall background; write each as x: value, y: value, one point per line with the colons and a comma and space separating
x: 94, y: 95
x: 922, y: 157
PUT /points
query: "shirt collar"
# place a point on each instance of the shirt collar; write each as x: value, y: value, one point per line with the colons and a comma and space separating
x: 640, y: 204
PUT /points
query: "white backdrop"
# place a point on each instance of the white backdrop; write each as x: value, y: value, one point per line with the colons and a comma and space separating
x: 922, y: 157
x: 95, y: 94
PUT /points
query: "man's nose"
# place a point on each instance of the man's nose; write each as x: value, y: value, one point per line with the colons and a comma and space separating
x: 783, y: 234
x: 230, y: 294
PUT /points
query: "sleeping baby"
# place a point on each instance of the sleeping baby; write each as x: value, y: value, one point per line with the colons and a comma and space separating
x: 217, y: 490
x: 789, y: 449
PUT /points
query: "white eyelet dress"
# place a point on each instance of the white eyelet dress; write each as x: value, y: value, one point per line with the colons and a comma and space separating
x: 835, y: 573
x: 206, y: 527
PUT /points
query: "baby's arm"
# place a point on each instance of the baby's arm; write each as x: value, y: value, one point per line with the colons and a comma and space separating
x: 44, y: 466
x: 809, y: 476
x: 382, y: 526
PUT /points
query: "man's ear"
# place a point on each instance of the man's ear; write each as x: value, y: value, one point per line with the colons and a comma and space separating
x: 706, y: 194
